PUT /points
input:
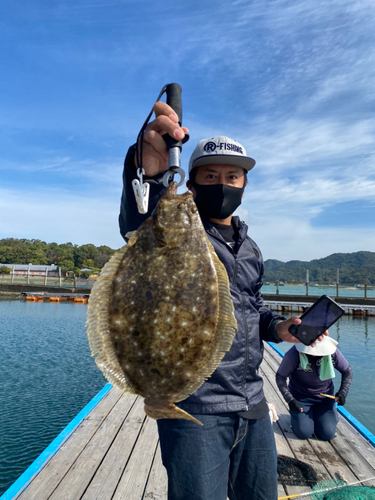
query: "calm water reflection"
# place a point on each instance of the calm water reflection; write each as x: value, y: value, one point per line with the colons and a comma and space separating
x: 47, y: 376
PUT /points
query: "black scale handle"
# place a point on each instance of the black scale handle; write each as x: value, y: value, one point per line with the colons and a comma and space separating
x: 173, y: 91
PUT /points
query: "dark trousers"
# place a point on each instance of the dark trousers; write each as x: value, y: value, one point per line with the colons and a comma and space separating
x: 228, y: 456
x: 319, y: 417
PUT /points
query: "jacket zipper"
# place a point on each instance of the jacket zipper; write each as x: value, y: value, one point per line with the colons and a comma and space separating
x: 246, y: 352
x: 244, y: 320
x: 235, y: 268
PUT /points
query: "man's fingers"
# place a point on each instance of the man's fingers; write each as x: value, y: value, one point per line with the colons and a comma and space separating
x: 162, y: 108
x: 156, y: 150
x: 164, y: 125
x: 156, y: 141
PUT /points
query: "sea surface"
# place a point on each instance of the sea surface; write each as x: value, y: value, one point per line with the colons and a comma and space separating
x: 47, y: 375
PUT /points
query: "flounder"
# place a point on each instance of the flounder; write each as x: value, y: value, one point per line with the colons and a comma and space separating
x: 160, y: 316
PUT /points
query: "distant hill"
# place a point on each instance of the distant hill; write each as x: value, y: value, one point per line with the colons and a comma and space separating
x: 357, y: 267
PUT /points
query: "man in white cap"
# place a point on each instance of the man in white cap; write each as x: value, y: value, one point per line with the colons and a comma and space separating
x: 233, y: 454
x: 310, y: 392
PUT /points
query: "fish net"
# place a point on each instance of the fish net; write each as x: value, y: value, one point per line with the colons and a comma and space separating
x: 339, y: 490
x: 293, y: 472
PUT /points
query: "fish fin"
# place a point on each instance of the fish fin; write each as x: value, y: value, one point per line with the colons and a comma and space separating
x: 169, y: 411
x: 97, y: 323
x: 226, y: 328
x: 129, y: 234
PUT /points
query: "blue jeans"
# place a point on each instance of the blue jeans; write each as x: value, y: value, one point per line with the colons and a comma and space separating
x: 229, y: 456
x: 319, y: 417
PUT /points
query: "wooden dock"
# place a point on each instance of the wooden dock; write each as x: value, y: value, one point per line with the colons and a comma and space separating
x: 287, y: 306
x: 113, y: 452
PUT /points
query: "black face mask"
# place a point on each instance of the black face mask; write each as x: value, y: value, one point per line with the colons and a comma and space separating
x: 217, y: 201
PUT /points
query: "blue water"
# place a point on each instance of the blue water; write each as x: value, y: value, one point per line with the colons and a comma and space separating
x: 317, y: 291
x: 47, y: 375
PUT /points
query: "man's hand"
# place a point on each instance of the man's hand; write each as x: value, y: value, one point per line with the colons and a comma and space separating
x: 282, y: 331
x: 155, y: 152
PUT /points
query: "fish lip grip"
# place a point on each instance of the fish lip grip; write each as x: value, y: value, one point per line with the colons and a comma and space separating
x: 142, y: 189
x: 173, y: 91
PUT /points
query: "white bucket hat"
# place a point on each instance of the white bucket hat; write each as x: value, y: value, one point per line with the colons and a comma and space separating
x: 221, y: 150
x: 324, y: 348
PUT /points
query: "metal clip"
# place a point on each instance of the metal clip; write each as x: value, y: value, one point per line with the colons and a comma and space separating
x: 141, y: 192
x: 168, y: 176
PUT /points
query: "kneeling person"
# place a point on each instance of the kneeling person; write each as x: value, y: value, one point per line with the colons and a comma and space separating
x: 310, y: 372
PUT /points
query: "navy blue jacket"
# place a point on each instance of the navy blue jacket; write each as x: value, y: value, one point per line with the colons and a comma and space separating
x: 236, y: 384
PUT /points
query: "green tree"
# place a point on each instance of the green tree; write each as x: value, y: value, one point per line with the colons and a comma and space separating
x: 67, y: 265
x: 88, y: 263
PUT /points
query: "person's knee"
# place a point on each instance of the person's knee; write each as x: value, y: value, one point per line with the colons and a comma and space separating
x: 302, y: 433
x: 325, y: 434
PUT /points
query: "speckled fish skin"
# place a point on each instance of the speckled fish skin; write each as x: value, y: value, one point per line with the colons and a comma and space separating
x: 160, y: 316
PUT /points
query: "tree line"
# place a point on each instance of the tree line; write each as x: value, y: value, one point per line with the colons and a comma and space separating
x: 66, y: 255
x: 355, y: 268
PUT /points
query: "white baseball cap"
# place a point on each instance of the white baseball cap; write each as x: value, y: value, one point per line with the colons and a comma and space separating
x: 325, y: 347
x: 219, y: 150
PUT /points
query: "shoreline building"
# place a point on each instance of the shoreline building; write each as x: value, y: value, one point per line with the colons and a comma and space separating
x: 33, y: 270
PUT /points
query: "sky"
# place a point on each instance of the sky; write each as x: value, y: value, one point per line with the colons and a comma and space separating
x: 291, y: 81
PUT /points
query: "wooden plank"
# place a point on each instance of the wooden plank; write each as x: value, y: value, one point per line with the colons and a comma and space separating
x: 282, y: 444
x: 80, y: 474
x: 108, y: 475
x: 302, y: 449
x: 347, y: 448
x: 348, y: 432
x: 283, y: 448
x: 157, y: 484
x: 134, y: 479
x: 45, y: 482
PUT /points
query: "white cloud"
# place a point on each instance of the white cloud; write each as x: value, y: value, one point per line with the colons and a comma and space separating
x: 309, y: 143
x: 288, y: 238
x: 285, y: 196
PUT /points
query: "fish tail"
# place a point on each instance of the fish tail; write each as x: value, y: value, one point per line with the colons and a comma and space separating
x: 169, y: 411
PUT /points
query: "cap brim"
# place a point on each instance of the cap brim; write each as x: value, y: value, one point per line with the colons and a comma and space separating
x: 237, y: 160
